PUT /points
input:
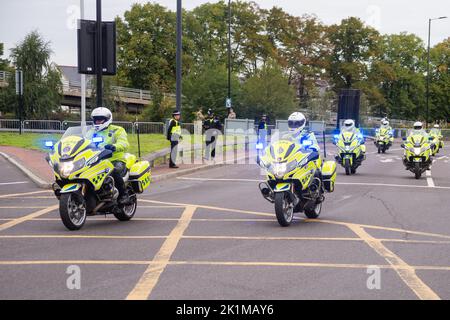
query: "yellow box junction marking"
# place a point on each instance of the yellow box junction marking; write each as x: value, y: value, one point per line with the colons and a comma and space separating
x: 405, y: 271
x: 28, y: 217
x: 149, y: 279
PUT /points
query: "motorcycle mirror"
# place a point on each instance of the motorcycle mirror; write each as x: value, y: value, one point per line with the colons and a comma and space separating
x: 402, y: 145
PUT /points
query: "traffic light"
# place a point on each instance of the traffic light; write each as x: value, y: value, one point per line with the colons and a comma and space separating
x: 87, y: 48
x: 348, y: 108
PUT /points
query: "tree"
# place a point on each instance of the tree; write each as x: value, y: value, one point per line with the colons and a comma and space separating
x: 268, y: 92
x: 146, y: 47
x: 42, y: 81
x: 400, y: 73
x: 4, y: 64
x: 354, y: 48
x: 208, y: 89
x: 440, y: 81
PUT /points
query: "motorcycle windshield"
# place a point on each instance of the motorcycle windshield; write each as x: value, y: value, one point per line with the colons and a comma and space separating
x: 85, y: 132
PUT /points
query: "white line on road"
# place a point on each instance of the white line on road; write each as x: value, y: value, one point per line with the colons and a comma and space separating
x: 337, y: 183
x: 430, y: 179
x: 8, y: 183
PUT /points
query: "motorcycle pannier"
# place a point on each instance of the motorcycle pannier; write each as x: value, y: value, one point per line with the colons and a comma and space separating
x: 329, y: 175
x: 140, y: 176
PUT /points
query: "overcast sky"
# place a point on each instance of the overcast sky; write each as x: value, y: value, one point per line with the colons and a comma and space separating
x: 56, y: 19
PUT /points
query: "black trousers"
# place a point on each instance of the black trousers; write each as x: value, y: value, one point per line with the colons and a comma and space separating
x: 211, y: 148
x: 173, y: 153
x: 118, y: 173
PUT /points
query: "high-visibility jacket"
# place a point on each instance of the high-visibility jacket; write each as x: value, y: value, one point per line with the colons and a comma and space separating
x: 116, y: 136
x: 174, y: 130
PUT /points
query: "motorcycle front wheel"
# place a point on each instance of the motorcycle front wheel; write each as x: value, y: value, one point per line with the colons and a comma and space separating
x: 284, y: 208
x: 72, y: 209
x: 347, y: 167
x: 417, y: 171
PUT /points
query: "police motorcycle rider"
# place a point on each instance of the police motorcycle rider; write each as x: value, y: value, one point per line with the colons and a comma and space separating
x: 349, y: 126
x: 296, y: 124
x: 114, y: 139
x: 418, y: 129
x: 386, y: 127
x: 436, y: 130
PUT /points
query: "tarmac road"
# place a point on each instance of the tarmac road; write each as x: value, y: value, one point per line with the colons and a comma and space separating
x: 211, y: 235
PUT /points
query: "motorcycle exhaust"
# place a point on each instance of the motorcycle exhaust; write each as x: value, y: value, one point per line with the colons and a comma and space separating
x: 267, y: 192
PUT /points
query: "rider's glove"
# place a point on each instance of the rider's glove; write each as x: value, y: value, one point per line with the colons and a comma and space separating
x: 110, y: 147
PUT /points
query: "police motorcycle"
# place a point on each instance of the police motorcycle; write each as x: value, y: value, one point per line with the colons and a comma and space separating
x: 297, y: 179
x: 383, y: 139
x: 83, y: 182
x: 351, y: 150
x: 437, y: 138
x: 417, y: 153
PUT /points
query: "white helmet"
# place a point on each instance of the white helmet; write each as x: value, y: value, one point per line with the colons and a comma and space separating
x: 99, y: 114
x: 436, y: 126
x: 349, y: 125
x: 296, y: 122
x: 418, y: 125
x: 385, y: 123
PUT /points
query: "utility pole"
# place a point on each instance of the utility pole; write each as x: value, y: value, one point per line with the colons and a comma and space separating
x: 83, y: 80
x: 428, y: 68
x: 228, y: 104
x: 99, y: 62
x: 19, y: 93
x: 179, y: 54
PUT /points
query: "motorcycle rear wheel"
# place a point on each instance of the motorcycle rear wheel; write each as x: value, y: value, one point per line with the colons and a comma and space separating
x: 127, y: 212
x: 313, y: 212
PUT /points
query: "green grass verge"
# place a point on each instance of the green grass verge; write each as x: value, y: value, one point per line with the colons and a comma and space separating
x: 149, y: 142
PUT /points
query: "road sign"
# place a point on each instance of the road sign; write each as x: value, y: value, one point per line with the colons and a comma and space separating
x: 228, y: 103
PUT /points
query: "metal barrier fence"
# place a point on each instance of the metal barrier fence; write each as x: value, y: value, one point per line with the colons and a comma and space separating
x: 9, y: 125
x: 55, y: 126
x: 69, y: 124
x: 150, y: 127
x: 43, y: 126
x: 242, y: 125
x: 188, y: 126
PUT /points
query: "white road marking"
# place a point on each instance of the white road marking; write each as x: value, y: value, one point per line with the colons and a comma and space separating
x: 430, y: 179
x: 337, y: 183
x: 17, y: 182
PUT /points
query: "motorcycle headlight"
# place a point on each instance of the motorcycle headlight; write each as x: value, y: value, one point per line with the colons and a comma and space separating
x: 66, y: 168
x: 279, y: 169
x: 417, y: 151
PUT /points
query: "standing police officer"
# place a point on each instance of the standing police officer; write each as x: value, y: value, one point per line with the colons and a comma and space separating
x: 174, y: 136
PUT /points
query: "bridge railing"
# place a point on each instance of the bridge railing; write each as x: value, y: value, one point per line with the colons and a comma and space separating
x: 4, y: 75
x: 122, y: 92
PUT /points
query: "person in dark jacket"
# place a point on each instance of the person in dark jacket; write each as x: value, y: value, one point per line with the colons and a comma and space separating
x: 212, y: 128
x: 262, y: 131
x: 174, y: 136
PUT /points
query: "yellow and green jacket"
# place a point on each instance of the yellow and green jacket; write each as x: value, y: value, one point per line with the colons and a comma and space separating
x: 174, y: 130
x: 116, y: 136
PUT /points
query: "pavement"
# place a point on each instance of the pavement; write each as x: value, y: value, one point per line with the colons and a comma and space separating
x: 210, y: 235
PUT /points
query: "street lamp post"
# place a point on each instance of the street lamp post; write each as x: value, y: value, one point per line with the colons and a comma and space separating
x: 178, y: 57
x: 229, y: 56
x: 428, y: 68
x: 99, y: 62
